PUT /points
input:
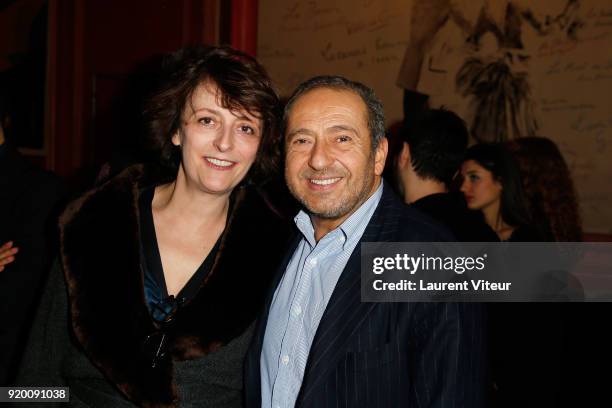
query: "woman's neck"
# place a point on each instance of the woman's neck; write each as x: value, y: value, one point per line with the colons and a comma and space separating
x: 493, y: 218
x: 194, y: 207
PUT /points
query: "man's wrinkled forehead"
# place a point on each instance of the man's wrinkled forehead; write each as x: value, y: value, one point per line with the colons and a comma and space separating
x: 350, y: 102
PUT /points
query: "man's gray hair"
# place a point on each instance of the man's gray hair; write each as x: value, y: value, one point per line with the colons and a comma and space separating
x: 376, y: 114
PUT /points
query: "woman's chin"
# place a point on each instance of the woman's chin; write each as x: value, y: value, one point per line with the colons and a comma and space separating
x: 217, y: 188
x: 212, y: 184
x: 474, y: 206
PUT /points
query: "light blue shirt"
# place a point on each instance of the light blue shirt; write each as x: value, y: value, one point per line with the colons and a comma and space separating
x: 300, y: 300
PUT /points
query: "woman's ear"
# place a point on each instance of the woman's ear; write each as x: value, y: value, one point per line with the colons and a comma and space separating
x: 176, y: 138
x: 499, y: 183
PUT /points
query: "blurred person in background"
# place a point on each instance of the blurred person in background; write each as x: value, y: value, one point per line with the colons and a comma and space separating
x: 553, y: 201
x: 492, y: 185
x: 548, y: 186
x: 526, y: 340
x: 7, y: 253
x: 29, y: 201
x: 433, y: 146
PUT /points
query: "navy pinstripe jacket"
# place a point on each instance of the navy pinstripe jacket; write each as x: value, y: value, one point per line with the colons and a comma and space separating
x: 385, y: 354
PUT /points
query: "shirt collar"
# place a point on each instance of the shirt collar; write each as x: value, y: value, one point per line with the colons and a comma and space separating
x: 349, y: 227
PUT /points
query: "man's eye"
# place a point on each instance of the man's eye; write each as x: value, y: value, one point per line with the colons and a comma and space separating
x: 343, y: 139
x: 473, y: 177
x: 300, y: 141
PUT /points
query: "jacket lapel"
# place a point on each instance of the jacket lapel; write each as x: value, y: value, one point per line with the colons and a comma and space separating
x: 345, y: 311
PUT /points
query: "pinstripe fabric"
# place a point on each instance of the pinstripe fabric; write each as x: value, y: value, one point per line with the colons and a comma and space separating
x: 387, y: 354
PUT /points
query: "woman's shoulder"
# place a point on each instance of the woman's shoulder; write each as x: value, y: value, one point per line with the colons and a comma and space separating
x: 526, y: 233
x: 119, y: 189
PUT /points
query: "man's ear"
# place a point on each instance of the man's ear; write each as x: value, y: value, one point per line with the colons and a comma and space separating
x: 404, y: 156
x: 381, y: 156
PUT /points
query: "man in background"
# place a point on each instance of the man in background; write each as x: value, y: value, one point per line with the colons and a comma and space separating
x: 29, y: 200
x: 432, y: 147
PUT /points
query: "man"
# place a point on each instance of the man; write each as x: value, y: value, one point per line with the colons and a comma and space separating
x: 317, y: 344
x: 433, y: 146
x: 28, y: 199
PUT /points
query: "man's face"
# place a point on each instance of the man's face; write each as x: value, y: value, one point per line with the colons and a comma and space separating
x: 330, y: 165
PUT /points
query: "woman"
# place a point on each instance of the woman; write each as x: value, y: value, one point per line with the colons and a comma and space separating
x: 548, y: 185
x: 492, y: 184
x: 554, y: 207
x: 524, y: 353
x: 166, y: 270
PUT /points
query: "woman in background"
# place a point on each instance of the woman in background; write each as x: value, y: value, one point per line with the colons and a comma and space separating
x: 492, y: 185
x: 163, y: 269
x: 526, y: 340
x: 549, y: 189
x: 554, y: 204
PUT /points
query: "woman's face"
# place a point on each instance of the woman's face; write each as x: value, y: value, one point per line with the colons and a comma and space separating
x: 479, y: 187
x: 218, y: 146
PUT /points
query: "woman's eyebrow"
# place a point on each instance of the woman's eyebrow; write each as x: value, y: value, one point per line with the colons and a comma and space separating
x: 216, y: 112
x: 242, y: 116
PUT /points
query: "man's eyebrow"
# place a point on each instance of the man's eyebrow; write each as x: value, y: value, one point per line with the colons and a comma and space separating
x: 343, y: 128
x: 301, y: 131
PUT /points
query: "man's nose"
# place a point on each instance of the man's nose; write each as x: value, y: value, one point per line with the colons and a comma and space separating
x: 320, y: 156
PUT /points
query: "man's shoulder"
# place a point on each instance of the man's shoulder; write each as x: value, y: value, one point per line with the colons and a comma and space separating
x: 416, y: 222
x: 409, y: 223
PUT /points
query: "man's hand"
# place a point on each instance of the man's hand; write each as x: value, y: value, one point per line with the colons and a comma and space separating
x: 7, y: 254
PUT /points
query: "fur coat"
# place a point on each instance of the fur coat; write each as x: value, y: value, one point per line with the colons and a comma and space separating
x: 108, y: 317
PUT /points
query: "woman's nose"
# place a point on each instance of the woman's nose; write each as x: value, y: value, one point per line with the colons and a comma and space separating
x: 224, y: 140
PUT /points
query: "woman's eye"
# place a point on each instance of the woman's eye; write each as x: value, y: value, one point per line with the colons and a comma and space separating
x: 300, y: 141
x: 247, y: 129
x: 473, y: 177
x: 206, y: 121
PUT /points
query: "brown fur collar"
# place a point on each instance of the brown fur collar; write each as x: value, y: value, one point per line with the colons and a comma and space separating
x: 101, y: 260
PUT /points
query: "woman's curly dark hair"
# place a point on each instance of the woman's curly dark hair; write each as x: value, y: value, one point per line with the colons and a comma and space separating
x: 242, y: 83
x: 549, y: 188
